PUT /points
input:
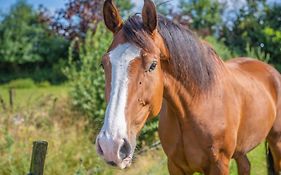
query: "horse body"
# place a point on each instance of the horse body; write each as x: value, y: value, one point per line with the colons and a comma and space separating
x: 241, y: 113
x: 260, y: 92
x: 211, y: 111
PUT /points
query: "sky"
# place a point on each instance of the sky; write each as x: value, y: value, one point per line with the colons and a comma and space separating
x: 50, y: 4
x: 57, y: 4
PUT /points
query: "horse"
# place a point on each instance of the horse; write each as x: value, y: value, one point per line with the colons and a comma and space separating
x: 210, y: 111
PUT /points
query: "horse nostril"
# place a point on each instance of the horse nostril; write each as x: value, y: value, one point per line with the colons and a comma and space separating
x: 99, y: 150
x: 125, y: 150
x: 111, y: 163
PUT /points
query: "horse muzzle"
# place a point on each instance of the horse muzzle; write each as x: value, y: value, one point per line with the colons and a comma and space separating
x: 115, y: 151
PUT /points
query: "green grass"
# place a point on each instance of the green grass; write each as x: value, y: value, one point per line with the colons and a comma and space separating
x: 257, y: 158
x: 46, y: 114
x: 23, y: 98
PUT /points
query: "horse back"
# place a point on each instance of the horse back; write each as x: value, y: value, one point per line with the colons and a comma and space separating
x: 256, y: 72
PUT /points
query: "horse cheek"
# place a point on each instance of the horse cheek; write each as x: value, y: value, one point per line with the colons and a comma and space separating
x: 158, y: 97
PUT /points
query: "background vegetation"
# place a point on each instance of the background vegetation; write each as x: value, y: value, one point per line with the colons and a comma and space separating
x: 52, y: 61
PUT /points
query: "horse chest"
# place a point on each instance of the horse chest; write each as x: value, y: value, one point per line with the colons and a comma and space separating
x: 181, y: 146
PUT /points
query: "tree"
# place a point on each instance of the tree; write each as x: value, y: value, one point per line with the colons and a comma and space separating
x: 271, y: 33
x: 163, y: 7
x: 85, y: 74
x: 256, y: 28
x: 25, y: 40
x: 272, y: 15
x: 204, y: 15
x: 18, y: 35
x: 26, y: 44
x: 79, y: 16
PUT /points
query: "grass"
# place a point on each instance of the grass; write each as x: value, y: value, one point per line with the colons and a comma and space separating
x: 257, y: 159
x: 45, y: 114
x: 24, y: 98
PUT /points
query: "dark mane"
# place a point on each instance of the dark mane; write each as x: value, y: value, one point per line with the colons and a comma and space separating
x: 191, y: 60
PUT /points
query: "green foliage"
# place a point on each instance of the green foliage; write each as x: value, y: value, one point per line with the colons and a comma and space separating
x: 28, y: 49
x: 44, y: 84
x: 162, y: 7
x: 52, y: 74
x: 256, y: 32
x: 271, y: 41
x: 86, y: 76
x: 223, y: 51
x: 257, y: 53
x: 125, y: 7
x: 21, y: 84
x: 246, y: 29
x: 17, y: 33
x: 26, y: 83
x: 24, y: 39
x: 149, y: 134
x: 205, y: 14
x: 272, y: 15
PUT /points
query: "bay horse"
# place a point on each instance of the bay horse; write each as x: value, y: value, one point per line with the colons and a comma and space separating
x: 210, y: 111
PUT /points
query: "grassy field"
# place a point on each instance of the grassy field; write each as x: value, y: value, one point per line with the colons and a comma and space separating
x: 24, y: 98
x: 46, y: 114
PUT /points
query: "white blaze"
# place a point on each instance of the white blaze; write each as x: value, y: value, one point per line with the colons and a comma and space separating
x: 115, y: 121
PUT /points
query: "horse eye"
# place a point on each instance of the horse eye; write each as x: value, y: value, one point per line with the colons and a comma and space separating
x: 152, y: 66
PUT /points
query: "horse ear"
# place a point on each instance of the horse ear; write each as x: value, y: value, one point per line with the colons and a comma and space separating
x: 149, y: 16
x: 112, y: 18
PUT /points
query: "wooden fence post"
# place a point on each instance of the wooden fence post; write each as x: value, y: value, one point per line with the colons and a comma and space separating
x: 11, y: 97
x: 39, y: 152
x: 2, y: 103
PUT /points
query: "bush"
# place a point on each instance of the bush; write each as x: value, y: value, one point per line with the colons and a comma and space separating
x: 256, y: 24
x: 86, y: 76
x: 44, y: 84
x: 149, y: 133
x: 21, y: 84
x: 29, y: 48
x: 223, y: 51
x: 257, y: 53
x: 51, y: 73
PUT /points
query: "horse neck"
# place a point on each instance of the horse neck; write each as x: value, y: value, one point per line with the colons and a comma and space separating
x: 176, y: 95
x: 180, y: 98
